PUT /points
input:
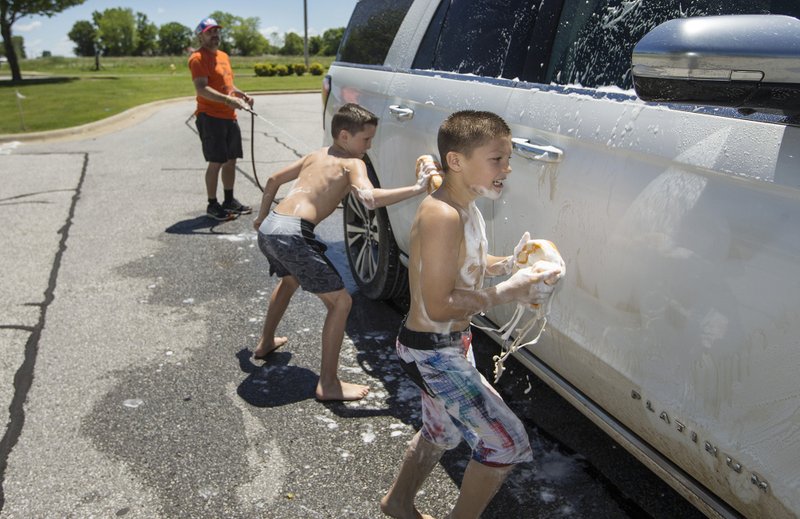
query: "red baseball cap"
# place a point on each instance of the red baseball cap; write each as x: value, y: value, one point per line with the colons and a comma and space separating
x: 206, y: 24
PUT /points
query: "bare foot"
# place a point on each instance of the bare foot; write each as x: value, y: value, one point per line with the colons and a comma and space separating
x: 341, y: 391
x: 395, y: 510
x: 262, y: 350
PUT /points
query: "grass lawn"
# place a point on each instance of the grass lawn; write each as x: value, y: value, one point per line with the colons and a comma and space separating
x: 65, y: 92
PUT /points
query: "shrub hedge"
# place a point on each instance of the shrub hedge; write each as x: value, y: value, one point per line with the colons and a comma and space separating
x: 271, y: 69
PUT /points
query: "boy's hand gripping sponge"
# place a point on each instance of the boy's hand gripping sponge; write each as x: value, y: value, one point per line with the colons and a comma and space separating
x: 541, y: 256
x: 427, y: 165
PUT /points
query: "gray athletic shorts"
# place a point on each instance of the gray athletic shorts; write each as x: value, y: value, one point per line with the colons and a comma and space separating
x: 291, y: 248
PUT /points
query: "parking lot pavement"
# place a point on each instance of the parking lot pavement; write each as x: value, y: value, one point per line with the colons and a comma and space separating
x: 127, y: 326
x: 36, y: 198
x: 87, y: 222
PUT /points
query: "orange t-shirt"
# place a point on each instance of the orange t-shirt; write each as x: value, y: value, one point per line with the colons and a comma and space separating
x: 217, y: 68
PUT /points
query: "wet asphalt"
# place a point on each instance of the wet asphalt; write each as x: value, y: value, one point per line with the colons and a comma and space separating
x: 126, y: 338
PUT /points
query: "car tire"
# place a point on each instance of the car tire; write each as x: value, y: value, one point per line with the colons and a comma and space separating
x: 372, y: 252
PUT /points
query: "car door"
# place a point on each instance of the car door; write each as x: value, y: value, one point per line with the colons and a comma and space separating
x: 466, y: 58
x: 678, y: 315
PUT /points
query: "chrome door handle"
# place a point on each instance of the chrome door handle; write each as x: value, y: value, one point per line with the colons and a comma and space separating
x: 540, y: 152
x: 401, y: 112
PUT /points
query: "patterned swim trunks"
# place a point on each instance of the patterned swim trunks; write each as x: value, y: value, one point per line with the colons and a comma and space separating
x: 291, y: 248
x: 458, y: 402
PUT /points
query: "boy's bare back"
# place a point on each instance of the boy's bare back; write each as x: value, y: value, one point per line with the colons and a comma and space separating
x: 323, y: 182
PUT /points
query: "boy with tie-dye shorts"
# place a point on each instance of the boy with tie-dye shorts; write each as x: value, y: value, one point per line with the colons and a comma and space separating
x: 447, y: 265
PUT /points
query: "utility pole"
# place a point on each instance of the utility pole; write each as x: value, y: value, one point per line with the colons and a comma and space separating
x: 305, y: 24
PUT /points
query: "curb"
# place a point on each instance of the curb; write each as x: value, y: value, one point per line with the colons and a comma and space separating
x: 120, y: 120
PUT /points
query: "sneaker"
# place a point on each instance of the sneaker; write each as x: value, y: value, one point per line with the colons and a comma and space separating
x: 236, y: 207
x: 217, y: 212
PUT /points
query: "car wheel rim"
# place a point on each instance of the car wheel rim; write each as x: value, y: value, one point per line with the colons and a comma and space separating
x: 363, y: 239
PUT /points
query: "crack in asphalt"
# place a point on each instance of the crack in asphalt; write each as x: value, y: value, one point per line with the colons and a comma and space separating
x: 23, y: 378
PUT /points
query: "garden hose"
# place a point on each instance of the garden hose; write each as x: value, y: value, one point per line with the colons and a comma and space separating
x: 253, y: 147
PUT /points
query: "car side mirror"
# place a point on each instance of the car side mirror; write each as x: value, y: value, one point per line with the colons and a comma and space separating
x: 749, y: 62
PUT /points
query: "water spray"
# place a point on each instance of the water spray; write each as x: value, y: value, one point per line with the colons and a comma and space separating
x: 253, y: 115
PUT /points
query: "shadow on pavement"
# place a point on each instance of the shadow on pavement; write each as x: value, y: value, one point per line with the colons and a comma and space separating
x: 36, y: 81
x: 17, y: 200
x: 275, y: 383
x: 198, y: 225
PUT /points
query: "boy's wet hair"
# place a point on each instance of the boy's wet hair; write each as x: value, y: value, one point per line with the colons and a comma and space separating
x: 353, y: 118
x: 468, y: 129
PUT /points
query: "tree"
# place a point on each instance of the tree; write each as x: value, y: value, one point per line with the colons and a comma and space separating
x: 269, y: 48
x: 246, y: 38
x: 147, y: 33
x: 84, y: 36
x: 173, y: 38
x: 331, y: 40
x: 275, y: 40
x: 315, y: 45
x: 292, y: 45
x: 19, y: 47
x: 116, y: 31
x: 13, y: 10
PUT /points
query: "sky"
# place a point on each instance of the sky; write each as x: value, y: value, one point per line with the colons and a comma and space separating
x: 42, y: 33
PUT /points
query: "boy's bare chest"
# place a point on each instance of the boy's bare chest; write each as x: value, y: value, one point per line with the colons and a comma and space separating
x: 473, y: 253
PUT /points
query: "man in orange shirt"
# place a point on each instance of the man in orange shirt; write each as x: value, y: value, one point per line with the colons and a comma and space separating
x: 217, y: 102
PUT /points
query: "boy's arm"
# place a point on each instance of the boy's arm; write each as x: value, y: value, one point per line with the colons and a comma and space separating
x: 373, y: 197
x: 275, y: 181
x: 440, y: 232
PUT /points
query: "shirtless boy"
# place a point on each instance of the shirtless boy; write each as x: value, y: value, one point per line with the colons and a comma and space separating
x: 434, y: 343
x: 286, y: 236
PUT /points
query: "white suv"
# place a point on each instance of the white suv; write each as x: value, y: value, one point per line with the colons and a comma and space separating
x: 677, y: 210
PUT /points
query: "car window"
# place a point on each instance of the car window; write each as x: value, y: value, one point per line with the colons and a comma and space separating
x: 481, y: 37
x: 372, y: 28
x: 595, y: 38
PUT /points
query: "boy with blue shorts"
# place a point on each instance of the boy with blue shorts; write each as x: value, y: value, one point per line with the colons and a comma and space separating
x: 434, y: 342
x: 286, y: 236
